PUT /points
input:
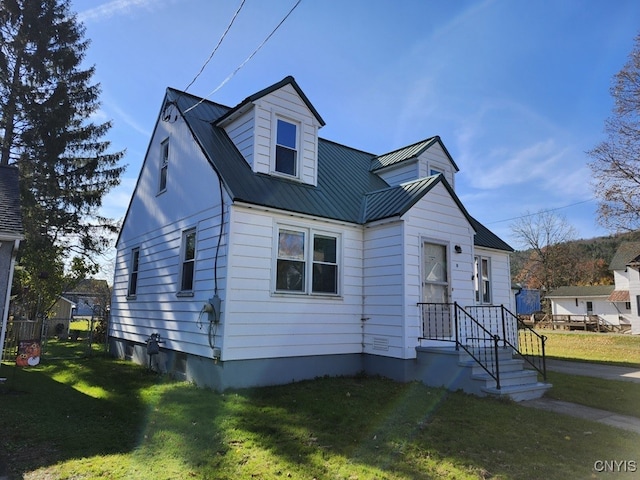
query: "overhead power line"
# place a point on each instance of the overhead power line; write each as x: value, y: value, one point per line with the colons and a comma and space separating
x: 224, y: 34
x: 541, y: 211
x: 224, y: 82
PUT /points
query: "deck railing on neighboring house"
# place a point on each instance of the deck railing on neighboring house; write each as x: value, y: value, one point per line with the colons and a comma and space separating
x: 481, y: 332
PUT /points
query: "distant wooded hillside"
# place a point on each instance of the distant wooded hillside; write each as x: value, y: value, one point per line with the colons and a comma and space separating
x: 585, y: 262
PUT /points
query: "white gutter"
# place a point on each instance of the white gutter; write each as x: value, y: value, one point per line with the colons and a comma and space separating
x: 5, y: 315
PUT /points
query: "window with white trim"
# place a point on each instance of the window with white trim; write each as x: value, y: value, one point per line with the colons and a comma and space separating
x: 286, y: 148
x: 482, y: 279
x: 133, y: 272
x: 164, y: 165
x: 307, y: 261
x: 187, y: 269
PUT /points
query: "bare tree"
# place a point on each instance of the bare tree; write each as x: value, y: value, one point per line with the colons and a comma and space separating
x: 546, y: 235
x: 616, y: 161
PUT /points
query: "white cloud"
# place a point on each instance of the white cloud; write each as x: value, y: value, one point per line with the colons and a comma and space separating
x: 129, y: 120
x: 116, y: 7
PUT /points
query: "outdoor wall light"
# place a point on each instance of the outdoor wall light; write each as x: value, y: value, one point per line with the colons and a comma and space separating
x: 458, y: 249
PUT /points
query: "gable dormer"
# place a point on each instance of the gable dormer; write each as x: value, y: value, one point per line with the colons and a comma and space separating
x: 423, y: 159
x: 276, y: 131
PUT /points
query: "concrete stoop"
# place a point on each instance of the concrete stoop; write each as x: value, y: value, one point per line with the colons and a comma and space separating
x: 457, y: 370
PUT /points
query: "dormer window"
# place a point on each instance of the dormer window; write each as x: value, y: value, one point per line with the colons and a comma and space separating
x: 286, y: 161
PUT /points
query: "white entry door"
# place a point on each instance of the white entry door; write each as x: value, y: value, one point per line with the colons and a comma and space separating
x: 435, y: 290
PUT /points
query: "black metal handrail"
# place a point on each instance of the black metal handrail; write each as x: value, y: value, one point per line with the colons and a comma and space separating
x: 449, y: 322
x: 514, y: 333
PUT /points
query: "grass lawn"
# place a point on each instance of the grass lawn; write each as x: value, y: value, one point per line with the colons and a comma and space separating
x: 101, y: 418
x: 618, y: 349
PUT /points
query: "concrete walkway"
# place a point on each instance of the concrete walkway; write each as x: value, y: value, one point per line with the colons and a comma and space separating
x: 598, y: 370
x: 608, y: 372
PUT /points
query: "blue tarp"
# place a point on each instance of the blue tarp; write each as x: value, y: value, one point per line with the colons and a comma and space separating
x: 527, y: 301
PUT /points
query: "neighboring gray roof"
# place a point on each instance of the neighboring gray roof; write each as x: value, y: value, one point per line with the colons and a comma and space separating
x: 582, y: 291
x: 10, y: 216
x: 628, y: 252
x: 347, y: 189
x: 410, y: 152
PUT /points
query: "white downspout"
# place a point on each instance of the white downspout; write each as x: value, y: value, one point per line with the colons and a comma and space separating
x: 5, y: 315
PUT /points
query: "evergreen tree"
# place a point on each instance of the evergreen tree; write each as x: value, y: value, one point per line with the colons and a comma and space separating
x: 46, y: 104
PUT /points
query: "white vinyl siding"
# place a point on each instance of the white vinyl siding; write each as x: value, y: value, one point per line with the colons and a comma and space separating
x: 402, y: 173
x: 263, y: 324
x: 384, y: 290
x: 435, y: 219
x: 155, y: 224
x: 435, y: 158
x: 241, y: 133
x: 285, y: 103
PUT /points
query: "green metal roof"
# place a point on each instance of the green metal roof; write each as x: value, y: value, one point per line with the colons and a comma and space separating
x: 628, y: 252
x: 408, y: 153
x: 582, y: 291
x: 258, y: 95
x: 347, y: 189
x: 486, y: 238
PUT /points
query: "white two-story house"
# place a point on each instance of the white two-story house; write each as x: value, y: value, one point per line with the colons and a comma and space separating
x: 262, y: 254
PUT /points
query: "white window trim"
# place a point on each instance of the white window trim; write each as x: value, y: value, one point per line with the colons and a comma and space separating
x: 164, y: 165
x: 133, y: 281
x: 478, y: 276
x: 275, y: 116
x: 183, y: 261
x: 310, y: 232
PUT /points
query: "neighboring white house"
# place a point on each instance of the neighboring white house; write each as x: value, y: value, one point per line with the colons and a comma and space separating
x: 262, y: 253
x: 617, y: 304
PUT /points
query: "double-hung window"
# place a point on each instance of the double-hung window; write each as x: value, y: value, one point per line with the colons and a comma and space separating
x: 482, y: 279
x: 133, y: 272
x: 187, y: 270
x: 286, y: 157
x: 164, y: 165
x: 307, y: 262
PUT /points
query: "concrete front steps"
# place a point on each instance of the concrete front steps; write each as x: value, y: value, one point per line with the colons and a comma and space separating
x: 457, y: 370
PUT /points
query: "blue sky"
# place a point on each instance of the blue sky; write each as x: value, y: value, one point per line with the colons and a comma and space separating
x: 517, y: 90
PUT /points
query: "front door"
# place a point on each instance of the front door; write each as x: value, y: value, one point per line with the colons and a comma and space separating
x: 435, y: 291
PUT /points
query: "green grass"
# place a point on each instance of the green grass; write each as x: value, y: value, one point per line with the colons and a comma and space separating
x: 100, y: 418
x: 612, y: 395
x: 616, y: 349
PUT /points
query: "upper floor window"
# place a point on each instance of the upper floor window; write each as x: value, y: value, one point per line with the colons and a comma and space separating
x: 286, y: 160
x: 164, y: 165
x: 133, y: 272
x: 298, y: 270
x: 188, y: 260
x: 483, y: 279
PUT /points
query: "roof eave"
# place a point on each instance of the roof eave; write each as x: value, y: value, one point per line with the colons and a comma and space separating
x: 289, y: 80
